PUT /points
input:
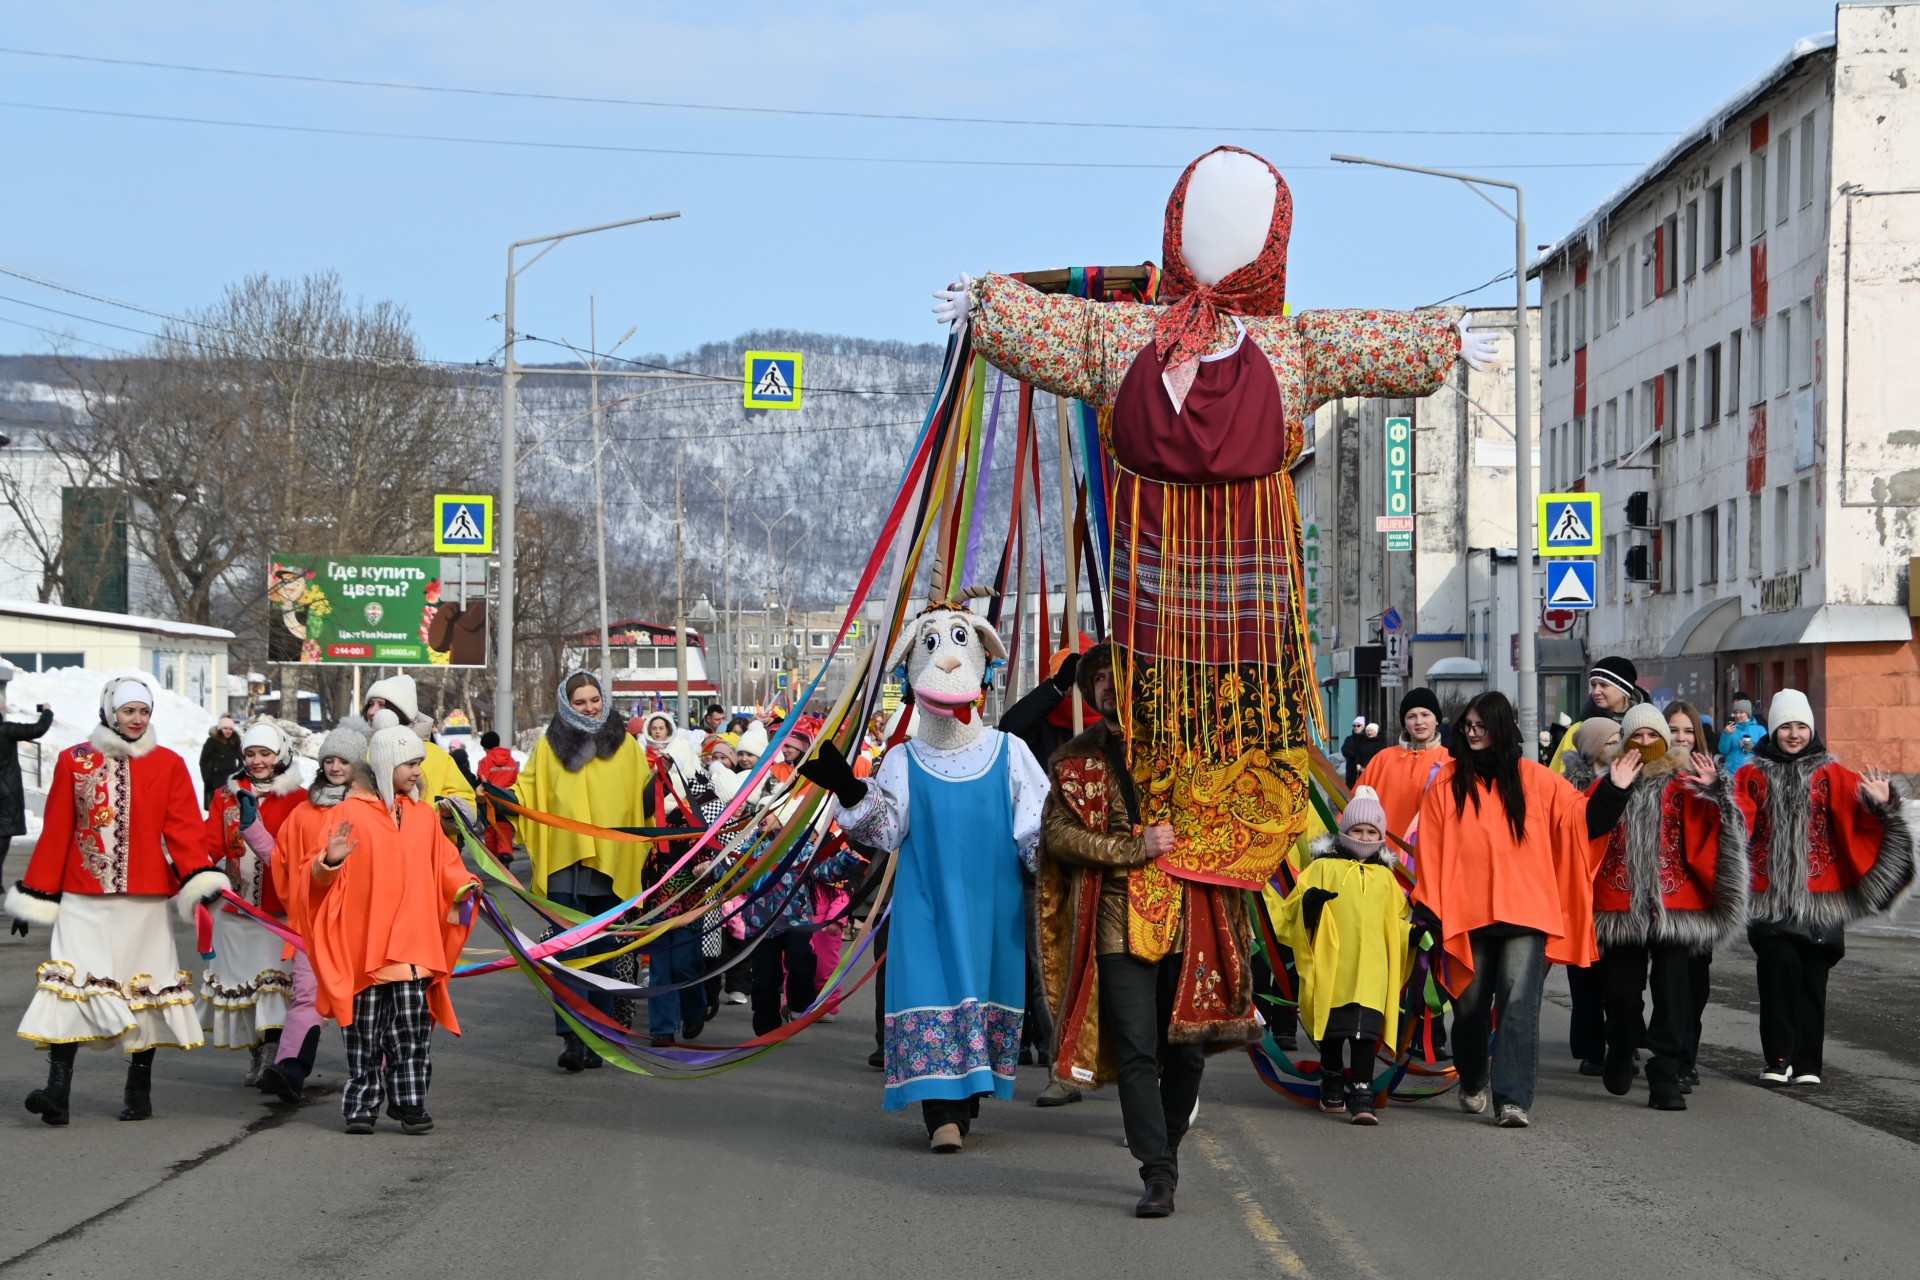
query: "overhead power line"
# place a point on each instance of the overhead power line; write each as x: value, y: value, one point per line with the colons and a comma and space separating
x: 812, y: 158
x: 736, y: 109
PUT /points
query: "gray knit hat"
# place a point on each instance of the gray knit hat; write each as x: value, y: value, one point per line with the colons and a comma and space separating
x: 347, y: 741
x: 1363, y: 806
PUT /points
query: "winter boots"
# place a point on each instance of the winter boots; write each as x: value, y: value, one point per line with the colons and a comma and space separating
x: 1663, y: 1085
x: 578, y: 1057
x: 50, y: 1103
x: 287, y: 1078
x: 137, y: 1102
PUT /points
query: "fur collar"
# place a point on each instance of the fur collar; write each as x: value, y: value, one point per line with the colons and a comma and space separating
x: 1326, y: 845
x: 110, y: 744
x: 284, y: 782
x: 575, y: 748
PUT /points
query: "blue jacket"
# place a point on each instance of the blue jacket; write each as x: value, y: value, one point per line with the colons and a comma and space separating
x: 1736, y: 744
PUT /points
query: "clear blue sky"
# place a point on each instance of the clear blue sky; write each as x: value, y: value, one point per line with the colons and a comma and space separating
x: 165, y: 214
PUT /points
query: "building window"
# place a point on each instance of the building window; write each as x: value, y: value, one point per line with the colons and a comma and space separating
x: 1579, y: 316
x: 1553, y: 333
x: 1733, y: 540
x: 1759, y: 189
x: 1593, y: 441
x: 1803, y: 342
x: 1690, y: 248
x: 1758, y: 391
x: 1610, y: 568
x: 1670, y: 401
x: 1668, y: 551
x: 1709, y: 546
x: 1781, y: 515
x: 1710, y: 387
x: 819, y: 640
x: 753, y: 639
x: 1753, y: 535
x: 1734, y: 207
x: 1693, y: 393
x: 753, y: 664
x: 1783, y: 159
x: 1783, y: 376
x: 1803, y: 522
x: 1613, y: 293
x: 1613, y: 429
x: 1714, y: 223
x: 1687, y: 552
x: 1733, y: 375
x: 1649, y: 268
x: 1809, y: 160
x: 1669, y: 256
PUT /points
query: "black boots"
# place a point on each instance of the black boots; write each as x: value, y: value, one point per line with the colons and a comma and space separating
x: 137, y: 1102
x: 50, y: 1103
x: 577, y: 1056
x: 1157, y: 1202
x: 287, y: 1078
x: 1663, y: 1085
x: 1617, y: 1069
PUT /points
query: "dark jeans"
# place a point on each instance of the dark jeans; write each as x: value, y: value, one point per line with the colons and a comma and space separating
x: 1792, y: 976
x: 1509, y: 971
x: 1159, y: 1081
x: 783, y: 962
x: 592, y: 904
x: 961, y: 1111
x: 1587, y: 1031
x: 1625, y: 972
x: 674, y: 956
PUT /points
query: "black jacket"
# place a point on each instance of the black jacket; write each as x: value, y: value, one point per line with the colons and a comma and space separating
x: 13, y: 800
x: 1027, y: 719
x: 219, y: 759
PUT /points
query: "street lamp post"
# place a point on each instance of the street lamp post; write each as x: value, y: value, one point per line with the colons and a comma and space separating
x: 703, y: 617
x: 1529, y: 700
x: 509, y: 386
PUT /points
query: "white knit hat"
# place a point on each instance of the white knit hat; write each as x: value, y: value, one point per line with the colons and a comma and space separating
x: 347, y: 741
x: 753, y: 741
x: 399, y: 692
x: 1789, y: 706
x: 390, y: 749
x: 265, y: 733
x: 121, y: 690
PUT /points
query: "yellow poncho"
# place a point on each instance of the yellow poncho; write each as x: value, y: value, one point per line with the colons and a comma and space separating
x: 606, y: 793
x: 1358, y: 954
x: 440, y: 777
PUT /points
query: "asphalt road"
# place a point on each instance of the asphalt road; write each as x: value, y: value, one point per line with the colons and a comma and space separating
x: 788, y: 1167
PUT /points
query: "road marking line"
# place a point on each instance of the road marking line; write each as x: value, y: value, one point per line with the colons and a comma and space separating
x: 1358, y: 1261
x: 1261, y: 1227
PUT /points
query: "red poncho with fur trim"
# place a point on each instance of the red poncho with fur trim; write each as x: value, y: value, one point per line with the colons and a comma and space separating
x: 1674, y: 871
x: 1822, y: 852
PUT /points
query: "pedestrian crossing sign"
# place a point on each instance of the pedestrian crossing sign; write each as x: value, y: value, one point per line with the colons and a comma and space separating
x: 1569, y: 524
x: 1571, y: 584
x: 773, y: 379
x: 463, y: 524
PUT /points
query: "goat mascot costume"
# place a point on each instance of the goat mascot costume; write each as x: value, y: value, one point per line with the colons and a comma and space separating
x: 1205, y: 404
x: 961, y: 802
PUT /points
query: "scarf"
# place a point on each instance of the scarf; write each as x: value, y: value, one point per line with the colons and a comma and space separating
x: 1184, y: 331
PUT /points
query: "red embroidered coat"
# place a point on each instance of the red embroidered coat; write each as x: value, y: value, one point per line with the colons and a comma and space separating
x: 1822, y: 853
x: 118, y: 822
x: 1674, y: 869
x: 250, y: 876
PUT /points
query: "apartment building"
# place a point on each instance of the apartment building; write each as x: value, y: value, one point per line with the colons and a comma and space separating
x: 1728, y: 364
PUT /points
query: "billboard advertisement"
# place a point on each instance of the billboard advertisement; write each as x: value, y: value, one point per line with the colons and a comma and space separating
x: 377, y: 610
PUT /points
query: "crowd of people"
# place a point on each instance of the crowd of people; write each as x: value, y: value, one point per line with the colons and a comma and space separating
x: 1022, y: 929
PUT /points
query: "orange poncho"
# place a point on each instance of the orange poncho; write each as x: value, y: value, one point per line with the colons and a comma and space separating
x: 1400, y: 777
x: 392, y: 902
x: 1473, y: 873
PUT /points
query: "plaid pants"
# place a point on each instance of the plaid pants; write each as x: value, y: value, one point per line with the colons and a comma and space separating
x: 388, y: 1048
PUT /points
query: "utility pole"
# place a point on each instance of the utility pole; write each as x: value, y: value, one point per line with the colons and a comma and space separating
x: 730, y: 693
x: 679, y: 589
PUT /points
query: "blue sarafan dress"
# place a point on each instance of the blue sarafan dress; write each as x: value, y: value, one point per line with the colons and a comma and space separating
x: 964, y: 822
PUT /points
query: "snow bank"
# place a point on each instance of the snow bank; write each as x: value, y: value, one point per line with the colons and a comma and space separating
x: 74, y: 695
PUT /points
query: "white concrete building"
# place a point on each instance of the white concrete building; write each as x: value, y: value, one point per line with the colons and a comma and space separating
x: 188, y: 659
x: 1728, y: 365
x: 1454, y: 589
